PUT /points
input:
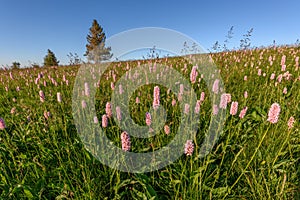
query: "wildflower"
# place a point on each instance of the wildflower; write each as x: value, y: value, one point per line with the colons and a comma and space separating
x: 215, y: 88
x: 112, y: 85
x: 125, y: 139
x: 245, y: 94
x: 96, y: 120
x: 273, y: 114
x: 245, y: 78
x: 223, y: 102
x: 119, y: 115
x: 167, y: 129
x: 202, y: 96
x: 156, y: 97
x: 120, y: 89
x: 83, y: 104
x: 189, y: 148
x: 215, y: 109
x: 86, y: 89
x: 148, y: 119
x: 137, y: 100
x: 284, y: 90
x: 108, y: 110
x: 291, y: 122
x: 193, y: 74
x: 272, y: 77
x: 173, y: 102
x: 259, y: 72
x: 42, y: 96
x: 186, y: 109
x: 104, y: 121
x: 13, y: 110
x: 283, y: 68
x: 243, y: 112
x: 59, y: 97
x: 234, y: 108
x: 2, y: 124
x: 197, y: 107
x: 47, y: 114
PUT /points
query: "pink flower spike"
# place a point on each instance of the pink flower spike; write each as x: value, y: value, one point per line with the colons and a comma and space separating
x: 243, y: 112
x: 148, y: 119
x: 108, y: 110
x: 156, y: 98
x: 167, y: 129
x: 104, y: 121
x: 2, y: 124
x: 125, y: 139
x: 234, y: 108
x: 189, y: 148
x: 291, y: 122
x: 274, y: 112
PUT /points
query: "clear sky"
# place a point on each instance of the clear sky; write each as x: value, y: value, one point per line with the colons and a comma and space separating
x: 28, y: 28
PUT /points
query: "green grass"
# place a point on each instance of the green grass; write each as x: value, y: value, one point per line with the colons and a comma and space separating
x: 253, y: 159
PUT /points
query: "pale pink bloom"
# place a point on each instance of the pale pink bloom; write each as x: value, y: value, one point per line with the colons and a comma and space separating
x: 108, y: 110
x: 2, y: 124
x: 104, y: 121
x: 284, y: 90
x: 13, y: 110
x: 83, y: 104
x: 223, y: 101
x: 112, y: 85
x: 202, y: 96
x: 6, y: 88
x: 259, y: 72
x: 264, y: 74
x: 125, y: 139
x: 156, y: 97
x: 186, y: 109
x: 245, y: 78
x: 59, y: 97
x: 86, y: 89
x: 215, y: 87
x: 283, y: 58
x: 42, y: 96
x: 11, y: 76
x: 45, y: 83
x: 14, y: 100
x: 272, y: 77
x: 179, y: 97
x: 67, y: 82
x: 215, y: 109
x: 189, y: 148
x: 245, y: 94
x: 47, y: 114
x: 167, y: 129
x: 173, y: 102
x: 234, y: 108
x: 148, y: 119
x: 283, y: 67
x: 137, y: 100
x: 119, y: 115
x: 181, y: 88
x: 243, y: 112
x: 96, y: 121
x: 193, y: 74
x: 279, y: 78
x: 291, y: 122
x: 274, y: 112
x: 120, y: 89
x: 18, y: 89
x: 197, y: 107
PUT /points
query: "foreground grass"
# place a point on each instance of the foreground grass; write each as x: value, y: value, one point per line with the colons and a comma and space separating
x: 42, y: 156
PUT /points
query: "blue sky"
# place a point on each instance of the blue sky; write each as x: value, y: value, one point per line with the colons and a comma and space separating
x: 29, y: 28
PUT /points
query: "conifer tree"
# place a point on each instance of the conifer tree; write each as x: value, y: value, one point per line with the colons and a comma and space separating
x: 50, y: 59
x: 95, y: 49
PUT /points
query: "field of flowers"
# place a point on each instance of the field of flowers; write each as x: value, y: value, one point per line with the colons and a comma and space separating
x: 257, y: 155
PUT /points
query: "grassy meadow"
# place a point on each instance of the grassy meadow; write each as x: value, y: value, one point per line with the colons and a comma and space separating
x: 42, y: 156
